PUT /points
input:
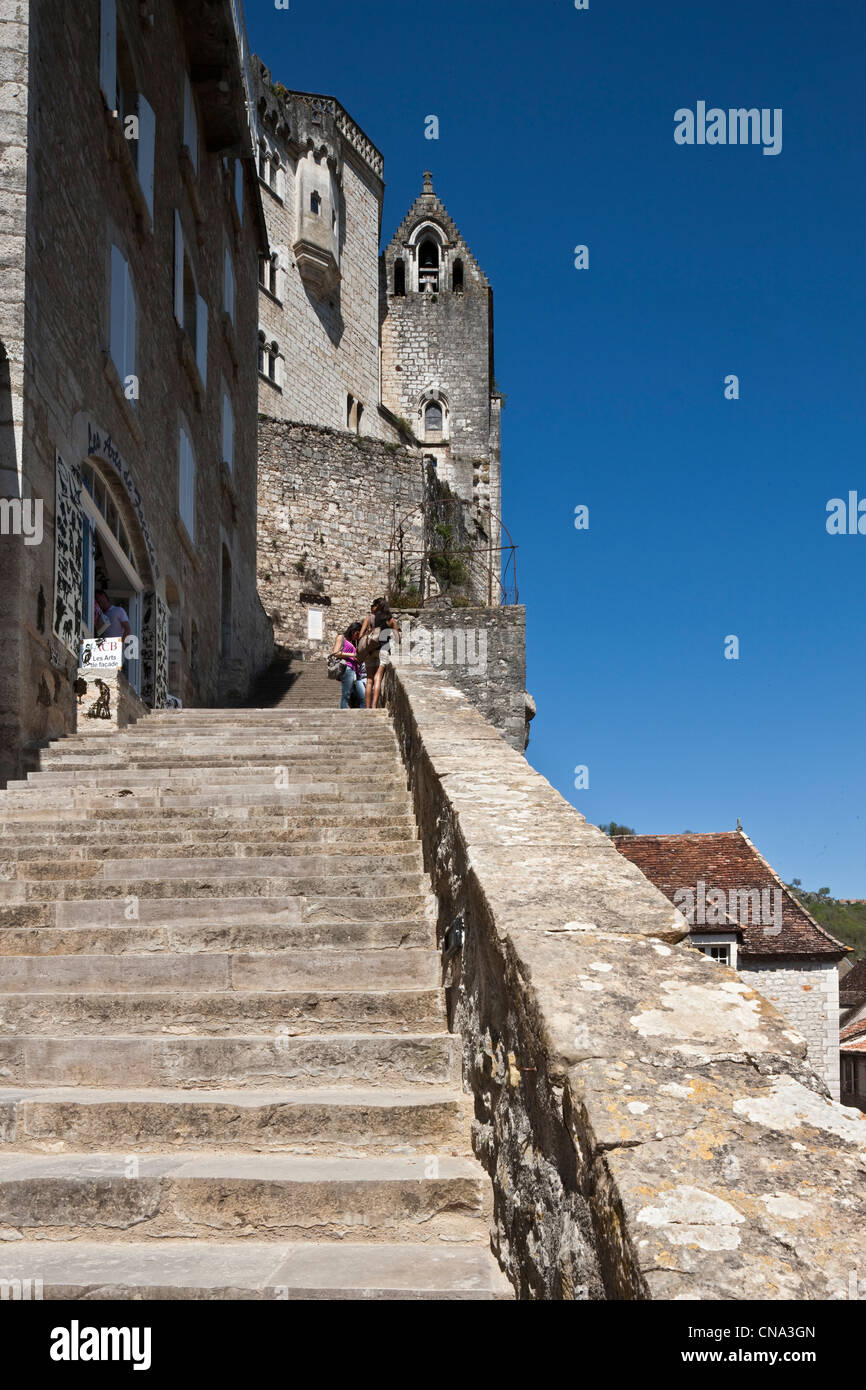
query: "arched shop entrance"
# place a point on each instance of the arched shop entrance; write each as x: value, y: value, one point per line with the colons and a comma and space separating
x: 102, y: 541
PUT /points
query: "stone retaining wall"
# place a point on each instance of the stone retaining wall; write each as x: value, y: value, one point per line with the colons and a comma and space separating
x: 649, y: 1122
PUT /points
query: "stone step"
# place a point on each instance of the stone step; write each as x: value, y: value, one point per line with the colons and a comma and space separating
x: 35, y: 805
x: 69, y: 850
x: 272, y: 1014
x: 192, y: 1269
x: 258, y: 972
x: 252, y: 935
x: 405, y: 859
x: 347, y: 821
x: 217, y: 718
x: 360, y: 888
x: 234, y: 1196
x: 244, y: 772
x: 199, y: 789
x: 330, y: 1059
x: 347, y: 1122
x: 229, y: 909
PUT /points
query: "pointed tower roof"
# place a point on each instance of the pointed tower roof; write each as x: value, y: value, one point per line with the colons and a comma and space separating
x: 427, y: 207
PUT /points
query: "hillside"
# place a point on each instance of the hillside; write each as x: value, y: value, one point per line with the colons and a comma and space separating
x: 846, y: 921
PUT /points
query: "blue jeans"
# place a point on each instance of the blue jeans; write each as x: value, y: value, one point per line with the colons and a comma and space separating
x: 352, y: 682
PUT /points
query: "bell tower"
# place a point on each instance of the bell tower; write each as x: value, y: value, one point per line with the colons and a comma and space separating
x: 436, y: 308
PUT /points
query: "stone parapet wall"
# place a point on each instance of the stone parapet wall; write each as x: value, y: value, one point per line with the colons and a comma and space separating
x: 649, y: 1122
x: 483, y: 651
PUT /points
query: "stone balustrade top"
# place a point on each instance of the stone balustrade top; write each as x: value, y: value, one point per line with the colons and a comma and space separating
x: 650, y: 1110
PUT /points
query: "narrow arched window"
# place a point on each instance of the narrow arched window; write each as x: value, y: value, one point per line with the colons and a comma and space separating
x: 433, y: 418
x: 261, y: 351
x: 400, y: 276
x: 315, y: 203
x: 428, y: 265
x: 457, y: 277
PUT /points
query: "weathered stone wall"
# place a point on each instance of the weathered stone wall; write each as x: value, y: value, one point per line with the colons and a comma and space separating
x: 482, y: 651
x: 80, y: 197
x: 328, y: 505
x: 14, y: 101
x: 650, y: 1124
x: 808, y: 996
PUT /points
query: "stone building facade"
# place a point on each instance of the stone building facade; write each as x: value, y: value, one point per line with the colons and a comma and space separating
x: 322, y: 187
x: 133, y: 223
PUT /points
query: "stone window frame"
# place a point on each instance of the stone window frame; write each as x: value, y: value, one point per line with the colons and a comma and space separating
x: 433, y: 396
x: 428, y: 230
x: 270, y: 361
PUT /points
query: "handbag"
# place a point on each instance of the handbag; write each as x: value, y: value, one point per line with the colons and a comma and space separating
x: 336, y: 667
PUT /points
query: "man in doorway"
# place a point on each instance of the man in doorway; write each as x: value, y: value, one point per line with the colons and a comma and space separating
x: 117, y: 618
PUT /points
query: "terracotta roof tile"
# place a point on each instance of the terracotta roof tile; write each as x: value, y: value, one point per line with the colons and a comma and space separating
x: 852, y: 987
x: 729, y: 862
x: 853, y: 1038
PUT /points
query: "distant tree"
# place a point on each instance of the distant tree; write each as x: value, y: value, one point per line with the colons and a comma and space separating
x: 823, y: 892
x: 613, y: 828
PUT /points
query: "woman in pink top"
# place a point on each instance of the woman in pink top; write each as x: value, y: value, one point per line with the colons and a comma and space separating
x: 346, y: 647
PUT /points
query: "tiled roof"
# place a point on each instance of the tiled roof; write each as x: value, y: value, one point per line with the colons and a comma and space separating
x: 853, y: 1038
x: 852, y: 987
x: 730, y: 862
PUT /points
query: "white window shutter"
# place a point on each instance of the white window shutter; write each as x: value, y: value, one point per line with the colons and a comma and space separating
x: 281, y: 183
x: 239, y: 188
x: 178, y: 268
x: 129, y: 366
x: 228, y: 432
x: 117, y: 310
x: 279, y: 375
x: 108, y: 52
x: 190, y: 123
x: 146, y: 150
x: 201, y: 338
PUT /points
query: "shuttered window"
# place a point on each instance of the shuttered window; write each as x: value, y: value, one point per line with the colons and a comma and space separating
x: 186, y: 487
x: 190, y: 122
x: 228, y: 431
x: 108, y: 52
x: 122, y: 319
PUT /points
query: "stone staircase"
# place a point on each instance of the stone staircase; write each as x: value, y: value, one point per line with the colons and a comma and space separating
x: 225, y: 1070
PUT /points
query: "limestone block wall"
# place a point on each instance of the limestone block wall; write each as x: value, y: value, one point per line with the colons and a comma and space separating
x: 328, y: 504
x: 650, y: 1123
x: 808, y: 996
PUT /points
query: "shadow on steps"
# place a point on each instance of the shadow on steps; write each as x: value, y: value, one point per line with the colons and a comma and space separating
x: 294, y: 683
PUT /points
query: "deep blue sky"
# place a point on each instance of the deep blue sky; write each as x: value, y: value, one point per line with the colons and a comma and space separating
x: 707, y: 516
